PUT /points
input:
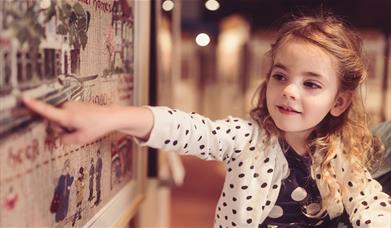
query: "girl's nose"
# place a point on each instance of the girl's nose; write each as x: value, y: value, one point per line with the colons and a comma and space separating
x: 291, y: 91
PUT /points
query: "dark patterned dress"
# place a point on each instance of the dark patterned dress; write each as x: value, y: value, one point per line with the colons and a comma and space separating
x: 299, y: 198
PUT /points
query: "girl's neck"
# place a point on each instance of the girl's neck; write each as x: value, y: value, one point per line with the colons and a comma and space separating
x: 298, y: 141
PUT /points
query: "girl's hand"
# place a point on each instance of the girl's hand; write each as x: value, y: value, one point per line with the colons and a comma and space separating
x: 80, y: 122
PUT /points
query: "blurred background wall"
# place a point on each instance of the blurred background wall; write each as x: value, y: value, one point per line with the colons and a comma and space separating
x: 209, y: 60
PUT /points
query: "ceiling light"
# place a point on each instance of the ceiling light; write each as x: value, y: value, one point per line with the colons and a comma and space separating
x: 202, y: 39
x: 168, y: 5
x: 212, y: 5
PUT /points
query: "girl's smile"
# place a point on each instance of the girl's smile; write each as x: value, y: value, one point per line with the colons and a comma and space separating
x: 286, y: 109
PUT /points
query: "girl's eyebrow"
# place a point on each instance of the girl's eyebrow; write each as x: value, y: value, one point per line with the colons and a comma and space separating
x: 279, y: 65
x: 309, y: 73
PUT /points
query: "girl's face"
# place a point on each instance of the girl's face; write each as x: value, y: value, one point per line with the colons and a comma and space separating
x: 303, y: 86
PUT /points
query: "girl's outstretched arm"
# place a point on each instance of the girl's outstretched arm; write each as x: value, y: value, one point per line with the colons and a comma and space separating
x: 85, y: 122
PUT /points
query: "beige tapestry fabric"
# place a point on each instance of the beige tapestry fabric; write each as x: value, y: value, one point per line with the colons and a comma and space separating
x: 57, y: 51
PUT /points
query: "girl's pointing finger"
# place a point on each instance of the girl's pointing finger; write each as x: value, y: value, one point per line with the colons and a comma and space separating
x: 46, y: 110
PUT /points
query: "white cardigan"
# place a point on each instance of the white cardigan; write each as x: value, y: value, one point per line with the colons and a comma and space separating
x: 254, y: 172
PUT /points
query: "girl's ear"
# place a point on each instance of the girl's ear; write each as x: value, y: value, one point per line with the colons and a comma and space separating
x: 341, y: 103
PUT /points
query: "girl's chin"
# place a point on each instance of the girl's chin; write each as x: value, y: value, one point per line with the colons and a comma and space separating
x: 289, y: 128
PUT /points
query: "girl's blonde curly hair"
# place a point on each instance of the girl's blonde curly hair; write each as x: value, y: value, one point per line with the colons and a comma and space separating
x: 351, y: 128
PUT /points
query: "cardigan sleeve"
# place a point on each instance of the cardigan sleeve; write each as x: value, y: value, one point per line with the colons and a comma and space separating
x: 194, y: 134
x: 363, y: 200
x: 369, y: 207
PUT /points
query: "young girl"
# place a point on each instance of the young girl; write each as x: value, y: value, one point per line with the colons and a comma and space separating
x: 301, y: 161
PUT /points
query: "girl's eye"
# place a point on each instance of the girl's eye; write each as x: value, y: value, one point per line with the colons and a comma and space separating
x: 312, y: 85
x: 279, y: 77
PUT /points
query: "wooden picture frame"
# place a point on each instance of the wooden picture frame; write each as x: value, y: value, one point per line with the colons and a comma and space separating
x: 121, y: 209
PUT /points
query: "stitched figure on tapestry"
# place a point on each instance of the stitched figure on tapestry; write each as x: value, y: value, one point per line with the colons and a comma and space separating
x: 11, y: 199
x: 60, y: 201
x: 98, y: 176
x: 79, y: 195
x: 91, y: 180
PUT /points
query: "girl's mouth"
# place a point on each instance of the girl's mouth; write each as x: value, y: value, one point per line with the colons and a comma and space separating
x: 287, y: 110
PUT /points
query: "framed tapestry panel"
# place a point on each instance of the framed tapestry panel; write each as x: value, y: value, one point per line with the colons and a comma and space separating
x: 58, y: 51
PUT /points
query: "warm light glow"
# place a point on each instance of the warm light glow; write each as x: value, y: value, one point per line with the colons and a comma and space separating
x: 212, y: 5
x: 202, y: 39
x: 230, y: 40
x: 168, y: 5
